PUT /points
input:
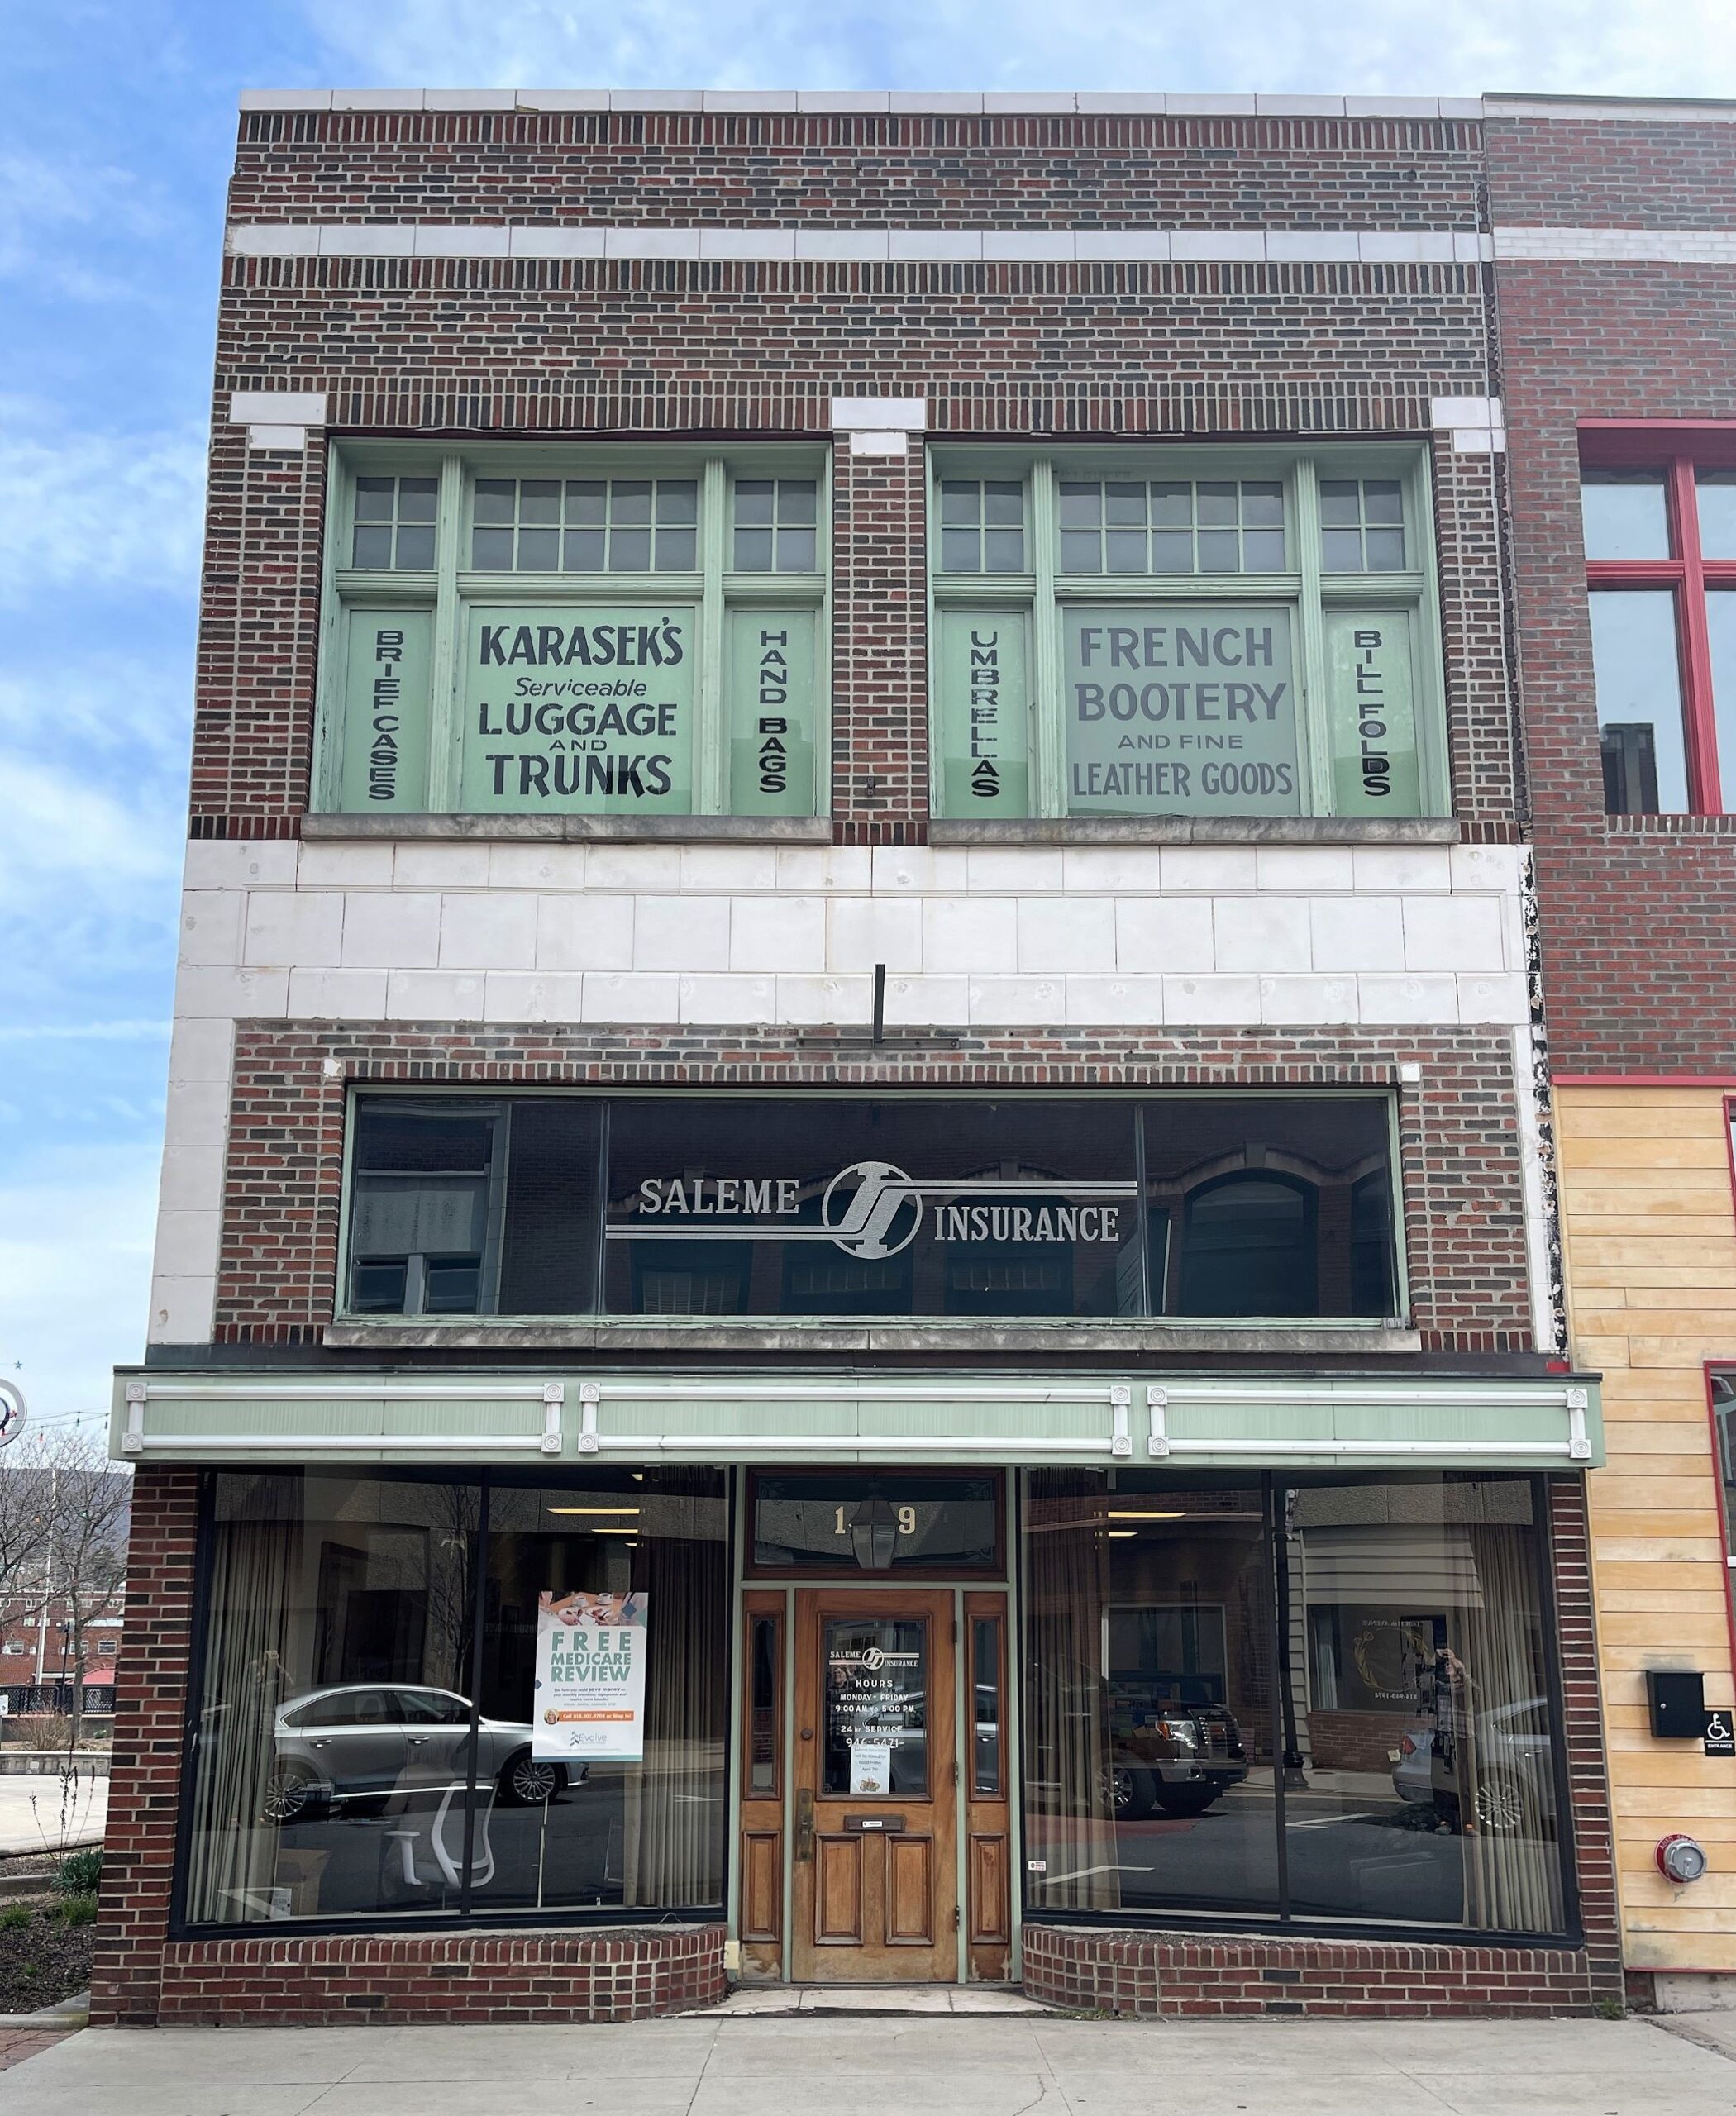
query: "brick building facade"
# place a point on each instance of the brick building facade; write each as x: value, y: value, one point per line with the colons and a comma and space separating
x: 976, y: 1098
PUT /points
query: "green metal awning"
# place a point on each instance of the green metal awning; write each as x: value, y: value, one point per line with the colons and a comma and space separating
x: 1179, y: 1421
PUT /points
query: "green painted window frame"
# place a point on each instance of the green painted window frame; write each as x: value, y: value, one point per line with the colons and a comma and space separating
x: 444, y: 592
x: 345, y: 1316
x: 1042, y: 593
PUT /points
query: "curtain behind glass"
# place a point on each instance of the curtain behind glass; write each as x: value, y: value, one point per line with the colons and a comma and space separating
x: 674, y: 1804
x: 1068, y: 1820
x: 232, y: 1848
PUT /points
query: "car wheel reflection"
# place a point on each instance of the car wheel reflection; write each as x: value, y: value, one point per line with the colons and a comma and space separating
x: 290, y: 1795
x: 525, y: 1783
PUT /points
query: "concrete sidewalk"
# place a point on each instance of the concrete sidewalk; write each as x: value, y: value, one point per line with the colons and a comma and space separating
x: 40, y: 1813
x: 1009, y: 2065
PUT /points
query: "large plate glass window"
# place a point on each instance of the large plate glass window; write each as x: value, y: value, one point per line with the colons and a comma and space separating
x: 559, y: 632
x: 1182, y: 631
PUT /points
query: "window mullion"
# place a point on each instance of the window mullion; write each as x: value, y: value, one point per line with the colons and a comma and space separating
x: 708, y: 726
x: 1699, y: 726
x: 444, y: 732
x: 1315, y: 760
x: 1048, y: 746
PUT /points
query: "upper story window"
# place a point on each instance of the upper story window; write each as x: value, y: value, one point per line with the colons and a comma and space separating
x: 575, y: 631
x: 1213, y: 1207
x: 1171, y: 631
x: 1659, y: 519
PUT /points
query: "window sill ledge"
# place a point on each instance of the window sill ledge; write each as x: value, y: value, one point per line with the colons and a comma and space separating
x: 1196, y: 830
x: 645, y: 1334
x: 669, y: 830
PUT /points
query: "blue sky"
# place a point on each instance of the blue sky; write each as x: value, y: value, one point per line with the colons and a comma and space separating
x: 117, y: 123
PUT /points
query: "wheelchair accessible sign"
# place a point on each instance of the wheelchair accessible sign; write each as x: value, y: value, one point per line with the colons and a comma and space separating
x: 589, y: 1705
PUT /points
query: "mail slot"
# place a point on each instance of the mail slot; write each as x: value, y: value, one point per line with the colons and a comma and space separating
x: 892, y: 1824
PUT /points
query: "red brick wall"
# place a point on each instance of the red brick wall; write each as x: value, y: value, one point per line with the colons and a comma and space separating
x: 481, y: 347
x: 1638, y: 913
x: 1464, y: 1231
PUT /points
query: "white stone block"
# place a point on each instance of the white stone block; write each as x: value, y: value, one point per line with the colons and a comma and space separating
x: 193, y: 1179
x: 1219, y: 867
x: 861, y: 930
x: 440, y: 863
x: 367, y: 239
x: 211, y: 926
x: 1064, y: 934
x: 969, y: 933
x: 470, y: 98
x: 1017, y: 1001
x: 829, y: 1002
x: 536, y: 867
x: 810, y: 870
x: 1016, y: 104
x: 1357, y: 932
x: 928, y: 1002
x: 468, y: 241
x: 1216, y: 246
x: 545, y: 240
x: 614, y: 998
x: 656, y: 99
x: 937, y: 102
x: 294, y: 929
x: 201, y: 1050
x: 728, y: 869
x: 748, y: 99
x: 938, y: 871
x: 563, y: 98
x: 257, y: 239
x: 1310, y: 246
x: 345, y: 867
x: 679, y: 933
x: 1454, y: 933
x: 1303, y: 869
x: 1411, y: 1001
x: 187, y: 1244
x: 842, y: 102
x: 236, y: 995
x: 533, y: 995
x: 728, y: 1000
x: 1158, y: 933
x: 196, y: 1113
x: 1303, y: 1000
x: 1012, y: 870
x: 181, y: 1310
x: 779, y: 933
x: 342, y: 995
x: 1112, y: 869
x: 1267, y: 934
x: 488, y: 932
x: 395, y: 932
x: 1503, y: 999
x: 609, y: 866
x: 628, y: 243
x: 1114, y: 1002
x: 1494, y: 867
x: 1402, y: 867
x: 1206, y: 1002
x: 284, y: 407
x: 871, y: 443
x: 1045, y: 246
x: 434, y: 995
x: 240, y: 863
x: 844, y: 245
x: 1122, y: 246
x: 585, y: 931
x: 290, y: 441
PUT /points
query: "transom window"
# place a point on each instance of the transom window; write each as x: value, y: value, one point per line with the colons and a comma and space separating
x: 1659, y: 520
x: 563, y: 632
x: 1172, y: 631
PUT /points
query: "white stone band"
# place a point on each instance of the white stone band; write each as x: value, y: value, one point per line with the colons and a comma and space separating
x: 821, y: 102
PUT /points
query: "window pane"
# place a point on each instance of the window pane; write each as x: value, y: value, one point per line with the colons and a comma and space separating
x: 571, y: 1834
x: 1262, y: 550
x: 1124, y: 506
x: 416, y: 547
x: 1386, y: 550
x: 1172, y: 551
x: 1341, y: 550
x: 987, y: 1706
x: 1126, y: 550
x: 961, y: 502
x: 586, y: 502
x: 1633, y: 653
x: 1081, y: 506
x: 548, y: 1264
x: 491, y: 551
x: 416, y: 498
x: 629, y: 549
x: 1623, y: 514
x: 1081, y: 552
x: 539, y: 550
x: 1004, y: 505
x: 1006, y: 550
x: 1724, y: 1423
x: 678, y: 500
x: 1217, y: 504
x: 1172, y: 506
x: 1219, y: 550
x: 1715, y: 494
x: 584, y: 552
x: 539, y: 501
x: 419, y: 1205
x: 753, y: 551
x: 1417, y: 1715
x: 323, y: 1592
x: 798, y: 501
x: 1149, y: 1680
x: 1263, y: 504
x: 677, y: 551
x: 494, y: 499
x: 753, y: 502
x: 373, y: 546
x: 875, y: 1729
x: 1383, y: 500
x: 1721, y: 628
x: 763, y: 1703
x: 796, y: 551
x: 1340, y: 503
x: 630, y: 500
x: 373, y: 498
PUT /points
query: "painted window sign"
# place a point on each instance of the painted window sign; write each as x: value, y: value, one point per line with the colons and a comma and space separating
x: 504, y: 645
x: 1372, y: 713
x: 585, y: 710
x: 1160, y: 629
x: 1174, y: 709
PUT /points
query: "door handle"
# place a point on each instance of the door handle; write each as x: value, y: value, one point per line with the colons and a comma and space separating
x: 804, y: 1827
x: 418, y: 1740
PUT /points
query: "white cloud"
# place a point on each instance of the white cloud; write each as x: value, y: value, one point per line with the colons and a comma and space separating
x: 75, y: 1240
x: 1629, y: 47
x: 95, y: 509
x: 48, y: 208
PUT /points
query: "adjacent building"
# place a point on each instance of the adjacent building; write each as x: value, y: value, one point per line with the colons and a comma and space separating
x: 858, y: 1277
x: 1616, y: 302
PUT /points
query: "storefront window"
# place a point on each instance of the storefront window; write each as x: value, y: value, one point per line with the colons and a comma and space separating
x: 355, y: 1756
x: 1296, y: 1698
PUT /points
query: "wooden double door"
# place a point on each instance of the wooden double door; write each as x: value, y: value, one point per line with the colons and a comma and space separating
x: 893, y: 1761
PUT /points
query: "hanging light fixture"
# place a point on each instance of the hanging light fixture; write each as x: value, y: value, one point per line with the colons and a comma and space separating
x: 874, y: 1534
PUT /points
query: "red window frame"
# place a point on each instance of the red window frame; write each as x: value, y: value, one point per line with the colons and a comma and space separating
x: 1674, y: 448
